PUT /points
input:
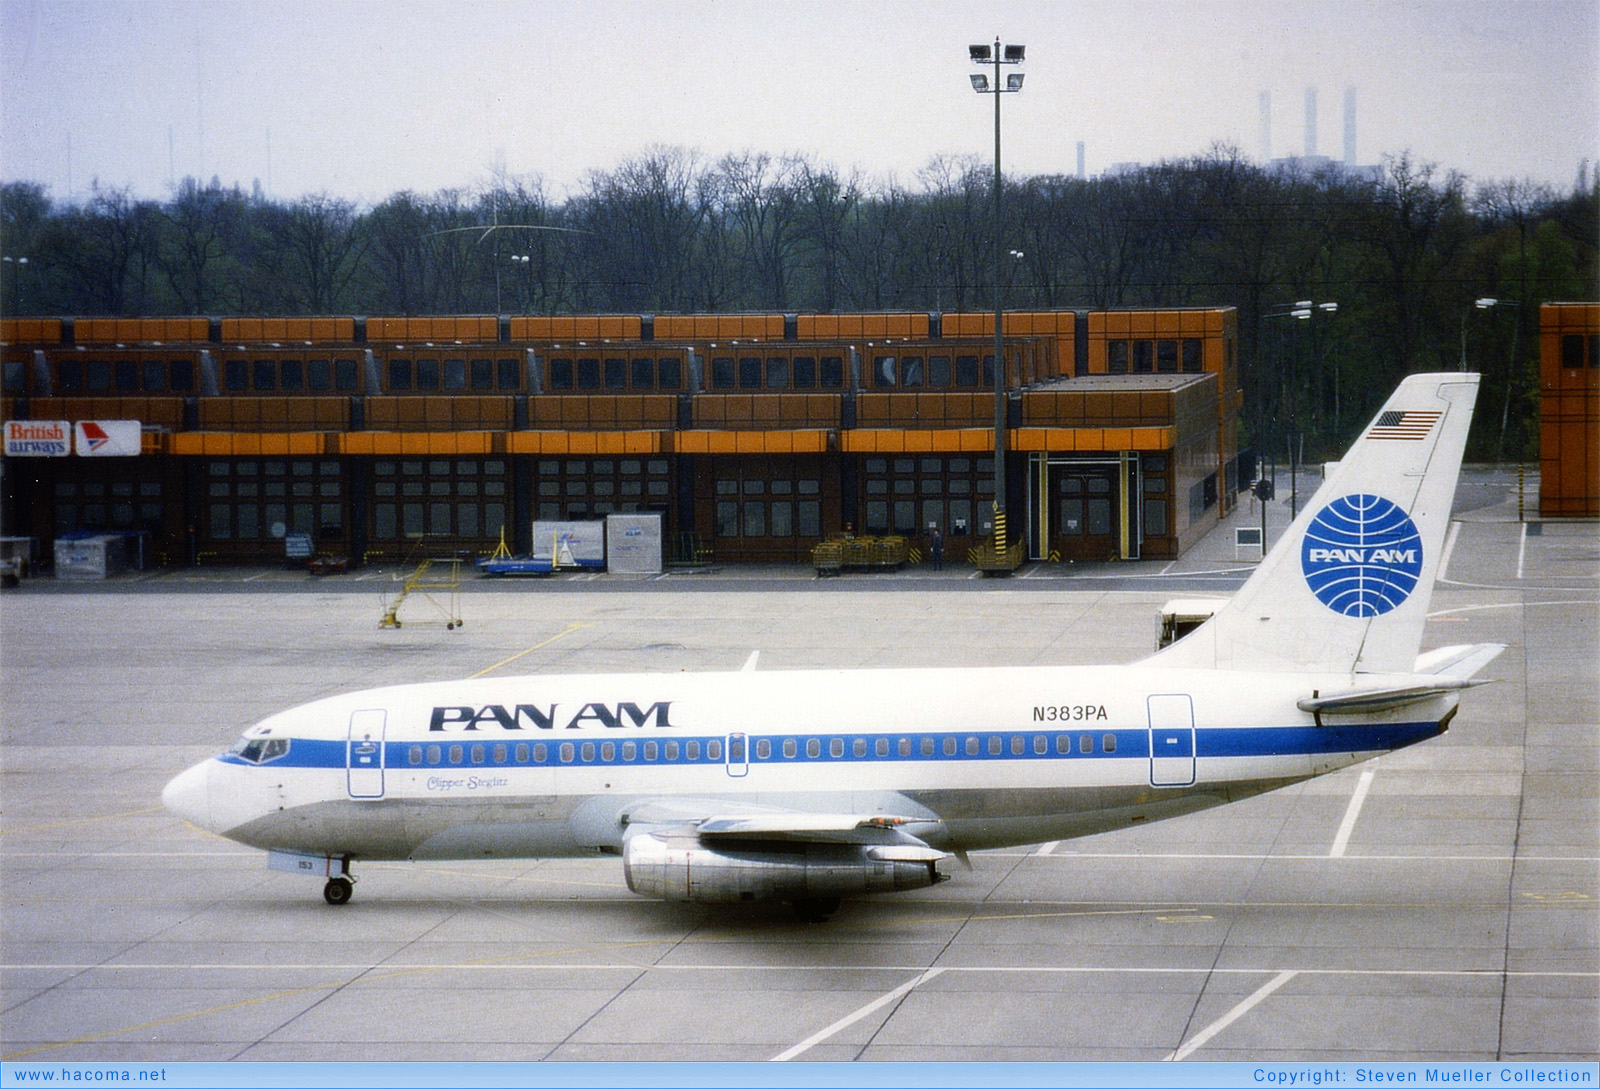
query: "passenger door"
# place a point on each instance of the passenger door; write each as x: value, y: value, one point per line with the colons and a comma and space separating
x: 364, y: 755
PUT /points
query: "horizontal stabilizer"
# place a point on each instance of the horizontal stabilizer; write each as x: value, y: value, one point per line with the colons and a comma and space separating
x: 1459, y: 662
x: 1369, y: 700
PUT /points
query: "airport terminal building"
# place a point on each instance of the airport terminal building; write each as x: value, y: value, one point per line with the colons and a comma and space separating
x: 754, y: 435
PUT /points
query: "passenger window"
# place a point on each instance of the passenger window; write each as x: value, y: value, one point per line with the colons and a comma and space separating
x: 994, y: 746
x: 672, y: 751
x: 691, y: 750
x: 972, y: 746
x: 539, y: 754
x: 566, y: 751
x: 414, y: 754
x: 1018, y: 743
x: 713, y: 750
x: 813, y: 748
x: 587, y: 752
x: 455, y: 754
x: 630, y: 750
x: 1041, y: 744
x: 788, y: 748
x: 522, y: 752
x: 905, y: 746
x: 435, y: 754
x: 883, y: 746
x: 608, y: 752
x: 949, y: 746
x: 763, y: 749
x: 927, y: 746
x: 477, y: 754
x: 1063, y: 744
x: 651, y: 751
x: 1109, y: 742
x: 499, y: 754
x: 859, y: 746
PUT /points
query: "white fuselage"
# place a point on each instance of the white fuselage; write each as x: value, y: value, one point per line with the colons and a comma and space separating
x: 976, y: 758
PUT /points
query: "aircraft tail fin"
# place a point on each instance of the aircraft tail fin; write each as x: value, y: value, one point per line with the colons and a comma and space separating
x: 1346, y: 588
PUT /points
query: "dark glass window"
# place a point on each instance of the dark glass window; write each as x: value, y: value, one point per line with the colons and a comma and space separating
x: 561, y: 374
x: 344, y: 375
x: 482, y: 374
x: 1193, y: 358
x: 1167, y: 356
x: 508, y: 374
x: 236, y: 375
x: 939, y: 371
x: 671, y: 373
x: 1117, y: 357
x: 588, y: 374
x: 722, y: 372
x: 749, y: 372
x: 127, y: 376
x: 319, y: 375
x: 1141, y: 357
x: 885, y: 370
x: 455, y: 374
x: 99, y: 375
x: 399, y: 374
x: 644, y: 373
x: 155, y: 376
x: 292, y: 375
x: 1572, y: 351
x: 264, y: 375
x: 69, y: 373
x: 181, y: 375
x: 428, y: 374
x: 616, y: 374
x: 777, y: 373
x: 805, y: 372
x: 832, y: 372
x: 911, y: 373
x: 966, y: 371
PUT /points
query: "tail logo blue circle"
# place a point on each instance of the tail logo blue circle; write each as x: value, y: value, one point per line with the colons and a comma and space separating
x: 1361, y: 556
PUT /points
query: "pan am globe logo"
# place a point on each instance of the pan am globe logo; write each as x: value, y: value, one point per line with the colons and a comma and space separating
x: 1361, y: 555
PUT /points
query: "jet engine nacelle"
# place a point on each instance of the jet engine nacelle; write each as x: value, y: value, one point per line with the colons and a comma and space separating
x: 686, y: 868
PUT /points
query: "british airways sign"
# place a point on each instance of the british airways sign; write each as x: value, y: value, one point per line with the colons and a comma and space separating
x: 1361, y: 556
x: 38, y: 438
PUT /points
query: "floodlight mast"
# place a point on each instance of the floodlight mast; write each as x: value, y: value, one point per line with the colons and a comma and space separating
x: 985, y: 55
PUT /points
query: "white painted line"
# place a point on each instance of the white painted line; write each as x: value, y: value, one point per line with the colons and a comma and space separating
x: 1230, y: 1017
x: 1044, y: 851
x: 843, y: 1023
x: 1522, y: 549
x: 1346, y: 826
x: 1449, y: 547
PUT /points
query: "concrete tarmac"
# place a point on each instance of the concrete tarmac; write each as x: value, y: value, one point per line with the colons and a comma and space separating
x: 1438, y: 903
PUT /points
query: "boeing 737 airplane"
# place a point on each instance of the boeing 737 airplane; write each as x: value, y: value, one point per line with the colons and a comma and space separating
x: 809, y: 786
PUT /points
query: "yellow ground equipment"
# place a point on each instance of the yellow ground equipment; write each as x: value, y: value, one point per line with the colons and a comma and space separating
x: 437, y: 585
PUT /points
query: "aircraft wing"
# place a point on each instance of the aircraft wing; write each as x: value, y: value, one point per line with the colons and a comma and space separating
x: 719, y: 820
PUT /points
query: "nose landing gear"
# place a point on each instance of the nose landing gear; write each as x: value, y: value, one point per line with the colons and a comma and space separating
x: 338, y: 890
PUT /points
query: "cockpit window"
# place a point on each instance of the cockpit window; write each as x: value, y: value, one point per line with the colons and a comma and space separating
x: 259, y: 750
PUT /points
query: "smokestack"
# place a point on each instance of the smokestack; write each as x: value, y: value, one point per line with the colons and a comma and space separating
x: 1311, y: 121
x: 1080, y: 159
x: 1350, y: 126
x: 1265, y: 100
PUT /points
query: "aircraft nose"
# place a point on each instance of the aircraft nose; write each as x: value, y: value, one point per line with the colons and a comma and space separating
x: 189, y: 795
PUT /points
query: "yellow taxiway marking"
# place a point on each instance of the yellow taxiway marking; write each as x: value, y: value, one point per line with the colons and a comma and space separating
x: 568, y: 630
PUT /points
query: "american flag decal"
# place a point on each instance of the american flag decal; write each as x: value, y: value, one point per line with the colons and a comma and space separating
x: 1404, y: 425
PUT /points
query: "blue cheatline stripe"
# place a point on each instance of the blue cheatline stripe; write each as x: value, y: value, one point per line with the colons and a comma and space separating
x: 923, y: 748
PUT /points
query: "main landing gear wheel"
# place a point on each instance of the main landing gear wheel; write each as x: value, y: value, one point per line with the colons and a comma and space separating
x: 338, y: 890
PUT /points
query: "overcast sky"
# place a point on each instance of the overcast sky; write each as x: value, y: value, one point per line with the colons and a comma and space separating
x: 362, y: 99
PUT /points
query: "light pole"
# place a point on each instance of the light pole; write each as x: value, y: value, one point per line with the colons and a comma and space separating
x: 21, y: 265
x: 997, y: 55
x: 1302, y: 310
x: 1511, y: 364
